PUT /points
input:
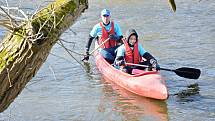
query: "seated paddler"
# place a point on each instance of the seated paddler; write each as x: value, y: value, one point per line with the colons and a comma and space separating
x: 108, y: 30
x: 132, y: 52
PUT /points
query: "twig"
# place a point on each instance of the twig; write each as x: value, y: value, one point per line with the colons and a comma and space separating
x: 73, y: 43
x: 8, y: 75
x: 19, y: 10
x: 6, y: 23
x: 71, y: 54
x: 71, y: 50
x: 15, y: 18
x: 9, y: 17
x: 60, y: 57
x: 44, y: 23
x: 52, y: 72
x: 38, y: 8
x: 68, y: 42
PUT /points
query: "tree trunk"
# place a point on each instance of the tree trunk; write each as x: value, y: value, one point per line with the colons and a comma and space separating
x: 24, y: 50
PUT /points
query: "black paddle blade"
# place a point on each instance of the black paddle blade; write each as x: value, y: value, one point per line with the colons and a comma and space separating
x: 190, y: 73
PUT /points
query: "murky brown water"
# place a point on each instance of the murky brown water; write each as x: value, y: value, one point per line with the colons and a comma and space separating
x: 62, y: 90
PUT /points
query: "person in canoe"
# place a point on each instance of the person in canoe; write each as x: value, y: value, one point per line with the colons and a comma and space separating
x: 133, y: 52
x: 105, y: 30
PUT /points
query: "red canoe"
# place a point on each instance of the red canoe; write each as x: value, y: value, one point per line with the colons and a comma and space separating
x: 148, y: 83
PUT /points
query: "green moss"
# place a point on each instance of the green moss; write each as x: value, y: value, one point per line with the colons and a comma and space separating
x: 8, y: 56
x: 5, y: 57
x: 61, y: 9
x: 70, y: 7
x: 2, y: 60
x: 19, y: 34
x: 83, y: 1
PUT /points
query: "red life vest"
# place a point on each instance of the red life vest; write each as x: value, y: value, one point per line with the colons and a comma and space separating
x: 105, y: 35
x: 131, y: 56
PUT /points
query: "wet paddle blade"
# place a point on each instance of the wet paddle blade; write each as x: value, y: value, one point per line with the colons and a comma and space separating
x: 190, y: 73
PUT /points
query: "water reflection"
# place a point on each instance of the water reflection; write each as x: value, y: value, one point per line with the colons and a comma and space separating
x: 190, y: 94
x: 87, y: 67
x: 133, y: 107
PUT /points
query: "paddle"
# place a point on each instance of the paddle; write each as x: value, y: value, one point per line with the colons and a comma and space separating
x: 186, y: 72
x: 99, y: 46
x: 96, y: 48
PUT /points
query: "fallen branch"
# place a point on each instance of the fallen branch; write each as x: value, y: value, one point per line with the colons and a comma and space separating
x: 27, y: 46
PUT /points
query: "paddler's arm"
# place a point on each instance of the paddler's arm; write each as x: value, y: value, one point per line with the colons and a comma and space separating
x: 152, y: 61
x: 89, y: 42
x: 120, y: 56
x: 119, y: 61
x: 93, y: 34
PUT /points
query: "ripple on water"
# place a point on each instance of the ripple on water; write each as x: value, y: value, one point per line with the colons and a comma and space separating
x: 211, y: 73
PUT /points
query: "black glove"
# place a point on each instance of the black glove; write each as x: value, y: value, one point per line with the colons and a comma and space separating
x: 120, y: 63
x: 86, y: 57
x: 114, y: 37
x: 154, y: 64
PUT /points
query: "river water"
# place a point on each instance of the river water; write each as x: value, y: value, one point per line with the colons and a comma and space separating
x: 63, y: 91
